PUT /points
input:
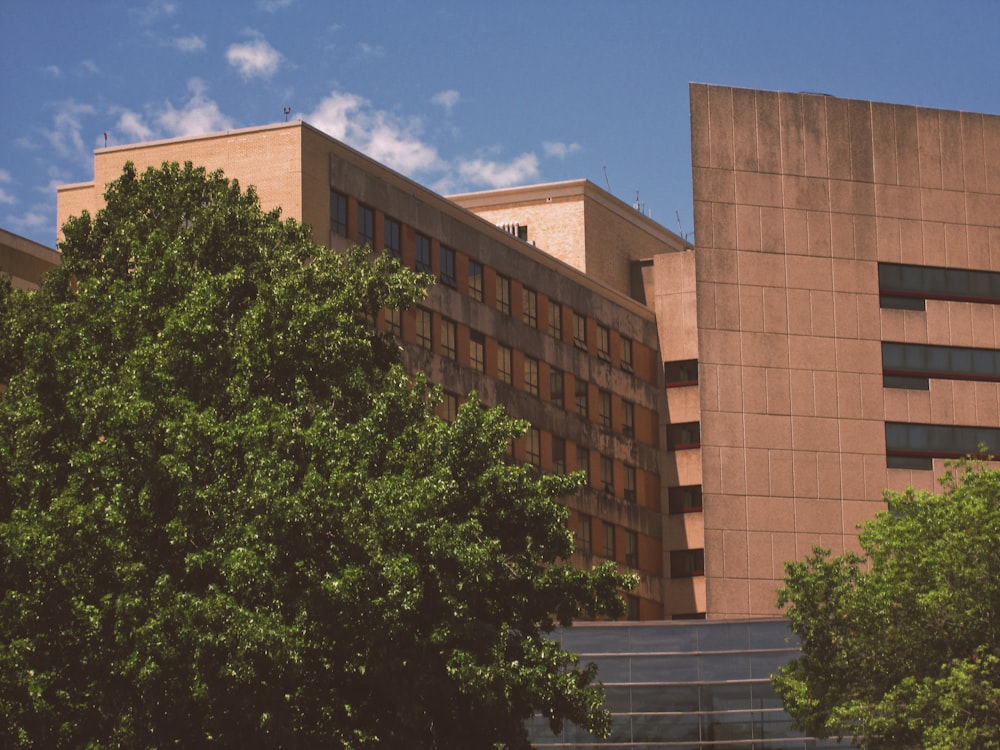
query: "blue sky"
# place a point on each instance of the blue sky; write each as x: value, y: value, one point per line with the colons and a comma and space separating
x: 459, y: 96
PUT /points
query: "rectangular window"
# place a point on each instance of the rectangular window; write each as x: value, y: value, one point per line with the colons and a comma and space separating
x: 608, y: 474
x: 626, y: 353
x: 582, y: 458
x: 391, y: 239
x: 449, y: 339
x: 556, y: 385
x: 394, y: 322
x: 422, y: 247
x: 475, y: 280
x: 680, y: 373
x: 503, y: 294
x: 338, y: 213
x: 585, y: 533
x: 477, y: 351
x: 628, y: 418
x: 505, y: 368
x: 685, y: 563
x: 905, y: 286
x: 632, y: 606
x: 629, y: 481
x: 366, y: 225
x: 604, y: 408
x: 531, y: 375
x: 683, y: 436
x: 555, y: 320
x: 603, y: 343
x: 579, y: 331
x: 533, y: 449
x: 632, y: 548
x: 529, y: 307
x: 580, y: 396
x: 558, y: 455
x: 913, y: 446
x: 448, y: 267
x: 424, y: 336
x: 448, y: 409
x: 685, y: 499
x: 609, y: 540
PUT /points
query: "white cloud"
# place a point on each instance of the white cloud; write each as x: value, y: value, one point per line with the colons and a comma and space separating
x: 66, y: 135
x: 5, y: 197
x: 560, y: 150
x: 200, y: 114
x: 27, y: 220
x: 88, y: 67
x: 497, y: 174
x: 131, y: 124
x: 379, y: 134
x: 254, y: 58
x: 447, y: 99
x: 153, y: 11
x: 273, y: 6
x: 190, y: 43
x: 370, y: 51
x: 53, y: 70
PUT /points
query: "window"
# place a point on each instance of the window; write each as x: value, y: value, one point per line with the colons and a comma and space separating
x: 556, y: 385
x: 503, y: 294
x: 529, y: 307
x: 580, y: 396
x: 505, y: 370
x: 609, y: 540
x: 477, y: 351
x: 558, y: 455
x: 686, y: 563
x: 913, y: 446
x: 531, y: 375
x: 422, y: 246
x: 603, y: 343
x: 391, y: 239
x: 584, y: 533
x: 555, y: 320
x: 533, y: 449
x: 626, y: 353
x: 579, y: 331
x: 448, y: 267
x: 366, y: 225
x: 608, y: 474
x: 685, y: 499
x: 449, y: 339
x: 913, y: 365
x: 475, y: 280
x: 394, y: 322
x: 629, y: 480
x: 338, y: 213
x: 628, y: 418
x: 683, y: 436
x: 680, y: 373
x: 582, y: 458
x: 448, y: 409
x: 632, y: 606
x: 906, y: 287
x: 632, y: 548
x: 604, y: 408
x: 424, y: 336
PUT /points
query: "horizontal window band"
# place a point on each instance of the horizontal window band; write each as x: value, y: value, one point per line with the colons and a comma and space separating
x: 940, y: 375
x: 681, y: 383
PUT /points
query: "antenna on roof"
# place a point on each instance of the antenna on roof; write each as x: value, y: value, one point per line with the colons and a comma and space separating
x: 288, y: 111
x: 606, y: 180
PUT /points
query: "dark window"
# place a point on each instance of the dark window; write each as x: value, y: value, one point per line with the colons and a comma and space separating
x: 632, y: 548
x: 685, y: 499
x: 394, y: 322
x: 505, y: 370
x: 609, y: 540
x: 422, y: 246
x: 424, y: 336
x: 477, y: 351
x: 448, y: 409
x: 683, y: 436
x: 603, y: 343
x: 558, y: 455
x: 681, y: 372
x: 529, y: 307
x: 555, y: 320
x: 475, y: 280
x: 608, y: 474
x: 533, y: 450
x: 686, y: 563
x: 503, y: 294
x: 629, y: 477
x: 580, y: 396
x: 604, y: 408
x: 531, y: 375
x: 366, y: 225
x: 907, y: 286
x: 628, y: 418
x: 556, y: 385
x: 585, y: 533
x: 448, y: 267
x: 911, y: 365
x: 579, y: 331
x: 449, y: 339
x: 391, y: 239
x: 632, y: 606
x: 582, y: 458
x: 338, y: 213
x: 912, y: 446
x: 626, y: 353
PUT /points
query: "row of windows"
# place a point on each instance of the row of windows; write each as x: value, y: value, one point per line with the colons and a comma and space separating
x: 531, y: 374
x: 680, y: 372
x: 912, y: 365
x: 907, y: 286
x: 608, y: 542
x: 447, y: 275
x: 683, y: 436
x: 913, y: 446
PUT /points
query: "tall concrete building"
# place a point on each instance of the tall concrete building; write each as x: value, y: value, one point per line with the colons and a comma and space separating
x: 834, y: 333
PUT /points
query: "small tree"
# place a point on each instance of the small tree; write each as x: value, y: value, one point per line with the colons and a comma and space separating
x: 228, y: 518
x: 900, y: 646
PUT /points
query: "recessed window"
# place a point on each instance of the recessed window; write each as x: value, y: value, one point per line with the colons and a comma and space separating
x: 603, y: 343
x: 533, y: 449
x: 531, y: 375
x: 338, y: 213
x: 582, y: 458
x: 608, y: 474
x: 477, y: 351
x: 555, y: 320
x: 448, y: 408
x: 556, y: 385
x: 911, y: 365
x: 609, y: 540
x: 394, y: 322
x: 628, y: 477
x: 391, y: 239
x: 604, y: 408
x: 558, y: 455
x: 626, y: 353
x: 913, y: 446
x: 683, y: 436
x: 422, y: 249
x: 448, y: 267
x: 425, y: 337
x: 449, y: 339
x: 580, y: 397
x: 476, y: 280
x: 628, y: 418
x: 907, y: 286
x: 685, y: 499
x: 366, y: 225
x: 585, y: 533
x: 579, y: 331
x: 632, y: 548
x: 686, y: 563
x: 680, y: 373
x: 505, y: 368
x: 503, y: 294
x: 529, y: 307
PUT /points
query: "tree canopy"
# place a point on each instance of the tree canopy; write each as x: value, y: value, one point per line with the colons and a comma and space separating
x: 228, y: 517
x: 900, y: 645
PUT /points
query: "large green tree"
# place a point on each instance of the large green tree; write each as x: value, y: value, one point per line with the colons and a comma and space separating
x: 228, y: 518
x: 900, y: 645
